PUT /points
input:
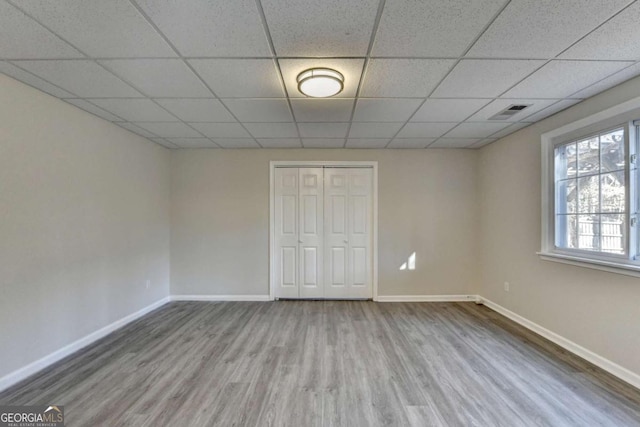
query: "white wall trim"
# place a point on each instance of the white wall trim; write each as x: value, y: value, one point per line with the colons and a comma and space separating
x: 626, y: 269
x: 425, y: 298
x: 40, y: 364
x: 220, y: 298
x: 272, y: 212
x: 613, y: 368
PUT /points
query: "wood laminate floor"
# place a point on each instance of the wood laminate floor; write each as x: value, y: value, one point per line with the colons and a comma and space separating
x: 331, y: 363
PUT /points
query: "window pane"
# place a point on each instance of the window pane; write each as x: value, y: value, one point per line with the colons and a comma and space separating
x: 589, y: 232
x: 588, y: 156
x: 613, y: 192
x: 567, y: 231
x: 612, y: 151
x: 566, y: 161
x: 613, y: 231
x: 567, y: 196
x: 589, y: 194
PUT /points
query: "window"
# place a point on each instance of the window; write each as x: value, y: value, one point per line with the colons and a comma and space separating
x: 591, y: 208
x: 591, y: 189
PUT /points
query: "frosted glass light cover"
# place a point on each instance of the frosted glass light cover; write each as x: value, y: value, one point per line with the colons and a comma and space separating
x: 320, y: 82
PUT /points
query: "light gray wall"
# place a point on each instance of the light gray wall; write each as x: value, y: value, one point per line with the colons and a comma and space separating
x: 220, y: 219
x: 595, y: 309
x: 84, y: 222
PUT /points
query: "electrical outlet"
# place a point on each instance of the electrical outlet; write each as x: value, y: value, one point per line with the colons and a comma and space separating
x: 506, y: 286
x: 148, y: 283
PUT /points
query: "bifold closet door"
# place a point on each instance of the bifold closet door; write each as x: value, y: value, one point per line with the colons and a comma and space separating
x: 348, y: 220
x: 299, y: 232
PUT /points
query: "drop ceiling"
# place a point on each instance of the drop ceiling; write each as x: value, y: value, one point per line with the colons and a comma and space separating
x: 222, y: 73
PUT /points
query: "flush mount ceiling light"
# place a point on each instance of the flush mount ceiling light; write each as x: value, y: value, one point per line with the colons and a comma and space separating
x: 320, y: 82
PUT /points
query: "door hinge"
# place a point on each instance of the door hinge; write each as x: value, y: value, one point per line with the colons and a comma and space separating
x: 633, y: 159
x: 633, y: 221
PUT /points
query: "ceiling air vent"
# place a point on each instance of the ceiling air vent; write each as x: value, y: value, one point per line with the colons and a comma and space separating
x: 508, y: 112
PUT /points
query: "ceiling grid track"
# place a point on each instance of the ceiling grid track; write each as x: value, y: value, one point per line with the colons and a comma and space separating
x: 449, y: 72
x: 265, y: 25
x: 400, y: 131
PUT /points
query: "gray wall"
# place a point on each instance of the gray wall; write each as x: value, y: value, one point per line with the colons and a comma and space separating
x: 84, y: 222
x: 595, y: 309
x: 220, y: 219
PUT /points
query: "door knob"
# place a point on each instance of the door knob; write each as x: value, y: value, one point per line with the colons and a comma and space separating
x: 346, y: 241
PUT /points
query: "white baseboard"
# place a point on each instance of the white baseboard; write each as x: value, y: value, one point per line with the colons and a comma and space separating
x: 220, y: 298
x: 425, y: 298
x: 32, y: 368
x: 613, y: 368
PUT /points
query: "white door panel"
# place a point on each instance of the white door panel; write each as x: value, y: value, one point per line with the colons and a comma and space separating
x: 311, y: 196
x: 323, y: 219
x: 348, y: 212
x: 286, y: 232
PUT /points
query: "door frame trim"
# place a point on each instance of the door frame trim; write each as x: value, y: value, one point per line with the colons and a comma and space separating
x: 306, y: 164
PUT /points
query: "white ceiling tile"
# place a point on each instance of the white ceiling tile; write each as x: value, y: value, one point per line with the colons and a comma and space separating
x: 169, y: 129
x: 260, y: 110
x: 193, y: 142
x: 411, y: 142
x: 484, y: 78
x: 280, y: 142
x: 83, y: 78
x: 609, y: 82
x: 210, y: 27
x: 159, y: 77
x: 23, y: 38
x: 34, y: 81
x: 483, y: 142
x: 410, y: 78
x: 555, y: 108
x: 222, y: 130
x: 542, y: 28
x: 87, y: 106
x: 236, y: 143
x: 559, y: 79
x: 448, y: 110
x: 385, y: 110
x: 240, y: 78
x: 135, y: 110
x: 323, y: 130
x: 374, y: 130
x: 454, y: 142
x: 351, y: 69
x: 510, y: 129
x: 616, y: 39
x: 499, y: 105
x: 322, y: 110
x: 272, y: 130
x: 136, y: 129
x: 432, y: 28
x: 323, y: 142
x: 100, y: 28
x: 425, y: 130
x: 197, y: 110
x: 164, y: 142
x: 476, y: 130
x: 337, y: 27
x: 367, y: 142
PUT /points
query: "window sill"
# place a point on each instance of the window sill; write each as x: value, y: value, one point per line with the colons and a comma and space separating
x: 626, y: 269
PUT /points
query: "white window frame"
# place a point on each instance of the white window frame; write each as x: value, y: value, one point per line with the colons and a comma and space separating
x: 620, y: 115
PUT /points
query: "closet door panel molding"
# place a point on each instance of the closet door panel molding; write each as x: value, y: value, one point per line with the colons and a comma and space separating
x: 323, y: 230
